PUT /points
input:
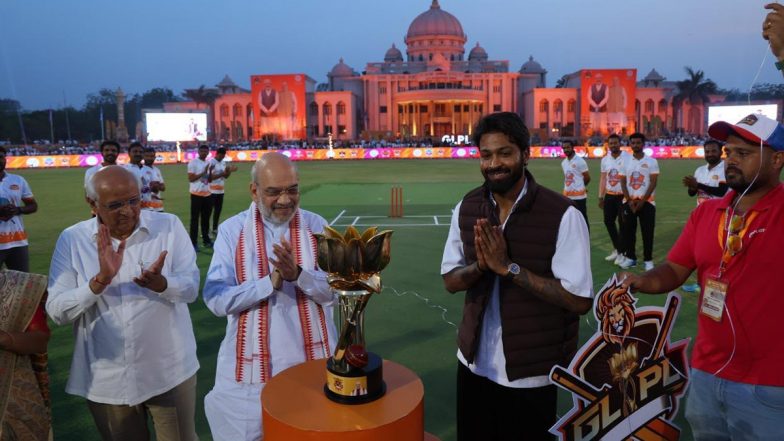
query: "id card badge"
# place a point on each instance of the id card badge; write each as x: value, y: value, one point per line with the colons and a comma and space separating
x: 713, y: 298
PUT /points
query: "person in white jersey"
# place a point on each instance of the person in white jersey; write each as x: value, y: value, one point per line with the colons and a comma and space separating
x: 576, y: 178
x: 16, y: 199
x: 638, y: 181
x: 141, y: 171
x: 220, y: 172
x: 708, y: 181
x: 109, y: 152
x: 157, y: 185
x: 199, y: 176
x: 611, y: 195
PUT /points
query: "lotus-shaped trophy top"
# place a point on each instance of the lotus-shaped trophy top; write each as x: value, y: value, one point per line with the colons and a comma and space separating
x: 354, y: 260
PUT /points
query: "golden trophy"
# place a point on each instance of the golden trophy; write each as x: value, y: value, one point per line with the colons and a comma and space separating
x: 353, y: 263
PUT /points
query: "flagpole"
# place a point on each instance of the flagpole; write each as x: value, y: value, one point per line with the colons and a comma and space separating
x: 103, y: 135
x: 51, y: 127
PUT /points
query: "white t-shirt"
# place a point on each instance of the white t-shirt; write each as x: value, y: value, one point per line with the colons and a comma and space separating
x: 145, y: 175
x: 638, y: 174
x: 13, y: 189
x: 613, y: 168
x: 156, y: 199
x: 217, y: 185
x: 574, y: 181
x: 201, y: 186
x: 571, y: 265
x: 90, y: 172
x: 710, y: 177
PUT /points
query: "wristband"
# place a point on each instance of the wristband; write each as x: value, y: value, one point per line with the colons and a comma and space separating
x: 95, y: 279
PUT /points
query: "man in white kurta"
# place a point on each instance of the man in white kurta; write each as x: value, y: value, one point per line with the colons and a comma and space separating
x: 264, y: 279
x: 123, y: 279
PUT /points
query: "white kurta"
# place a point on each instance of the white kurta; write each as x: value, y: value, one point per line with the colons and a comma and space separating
x: 233, y: 407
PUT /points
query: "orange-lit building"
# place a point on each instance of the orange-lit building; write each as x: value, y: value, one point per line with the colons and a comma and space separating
x: 434, y: 89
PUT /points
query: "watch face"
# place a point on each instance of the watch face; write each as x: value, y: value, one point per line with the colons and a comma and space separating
x: 514, y: 268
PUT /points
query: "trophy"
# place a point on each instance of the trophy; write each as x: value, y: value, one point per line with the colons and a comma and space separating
x: 353, y: 263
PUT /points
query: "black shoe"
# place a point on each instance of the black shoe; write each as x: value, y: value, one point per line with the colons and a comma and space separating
x: 208, y: 243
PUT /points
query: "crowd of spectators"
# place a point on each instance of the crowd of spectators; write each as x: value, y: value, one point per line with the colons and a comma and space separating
x: 92, y: 149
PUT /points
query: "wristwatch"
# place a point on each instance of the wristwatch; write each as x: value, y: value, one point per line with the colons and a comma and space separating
x: 511, y: 271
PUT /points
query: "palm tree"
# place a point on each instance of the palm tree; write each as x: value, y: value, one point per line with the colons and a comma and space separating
x: 694, y: 90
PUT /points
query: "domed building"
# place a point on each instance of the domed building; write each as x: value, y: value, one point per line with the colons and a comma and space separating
x: 431, y: 89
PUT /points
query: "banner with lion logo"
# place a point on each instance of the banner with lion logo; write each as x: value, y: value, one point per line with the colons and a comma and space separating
x: 627, y: 379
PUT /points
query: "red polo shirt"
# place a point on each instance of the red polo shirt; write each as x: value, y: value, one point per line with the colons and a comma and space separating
x: 755, y: 299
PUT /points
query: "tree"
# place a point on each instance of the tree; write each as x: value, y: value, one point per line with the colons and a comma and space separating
x: 154, y: 98
x: 694, y: 90
x: 202, y: 95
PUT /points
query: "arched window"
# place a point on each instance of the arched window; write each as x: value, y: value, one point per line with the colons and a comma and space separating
x: 313, y: 109
x: 327, y: 109
x: 544, y: 106
x: 341, y: 108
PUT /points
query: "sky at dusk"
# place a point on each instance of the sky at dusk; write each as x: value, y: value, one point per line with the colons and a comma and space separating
x: 51, y: 49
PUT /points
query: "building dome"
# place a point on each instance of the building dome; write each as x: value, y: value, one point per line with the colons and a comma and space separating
x: 393, y: 55
x: 477, y: 53
x: 654, y: 76
x: 532, y: 66
x: 341, y: 70
x: 435, y: 21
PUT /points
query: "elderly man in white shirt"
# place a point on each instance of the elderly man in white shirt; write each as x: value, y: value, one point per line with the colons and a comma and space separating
x: 124, y: 279
x: 264, y: 279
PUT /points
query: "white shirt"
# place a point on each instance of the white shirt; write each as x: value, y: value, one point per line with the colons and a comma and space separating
x: 14, y: 189
x: 217, y: 184
x: 638, y: 174
x: 156, y: 199
x: 201, y: 186
x: 710, y: 177
x: 574, y: 181
x: 571, y: 265
x: 90, y: 172
x: 225, y: 298
x: 144, y: 174
x: 613, y: 168
x: 130, y: 343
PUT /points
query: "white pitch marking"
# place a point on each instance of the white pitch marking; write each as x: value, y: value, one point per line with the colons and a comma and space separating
x: 392, y: 225
x: 356, y: 219
x: 435, y: 219
x: 336, y: 219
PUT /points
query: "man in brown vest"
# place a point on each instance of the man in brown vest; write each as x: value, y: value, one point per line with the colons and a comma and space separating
x: 521, y: 252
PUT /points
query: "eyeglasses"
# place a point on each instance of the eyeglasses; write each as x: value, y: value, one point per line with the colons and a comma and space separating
x: 277, y: 192
x: 117, y: 205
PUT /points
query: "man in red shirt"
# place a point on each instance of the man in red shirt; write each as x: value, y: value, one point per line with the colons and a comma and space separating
x: 737, y: 377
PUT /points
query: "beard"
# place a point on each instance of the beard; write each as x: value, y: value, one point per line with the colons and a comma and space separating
x: 736, y: 181
x: 269, y: 214
x: 505, y: 184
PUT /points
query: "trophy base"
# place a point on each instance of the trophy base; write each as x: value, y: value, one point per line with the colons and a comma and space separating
x: 359, y: 385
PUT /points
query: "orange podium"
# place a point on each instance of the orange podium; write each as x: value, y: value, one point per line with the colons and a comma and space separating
x: 294, y: 407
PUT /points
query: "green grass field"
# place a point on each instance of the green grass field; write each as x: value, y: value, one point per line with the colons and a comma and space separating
x: 413, y: 321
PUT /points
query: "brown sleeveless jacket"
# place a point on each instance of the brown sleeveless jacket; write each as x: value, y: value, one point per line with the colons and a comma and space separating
x: 536, y: 334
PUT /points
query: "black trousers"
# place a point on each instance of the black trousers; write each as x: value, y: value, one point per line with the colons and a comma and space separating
x: 217, y: 207
x: 17, y: 258
x: 647, y: 217
x: 582, y: 206
x: 612, y: 211
x: 487, y: 411
x: 200, y: 210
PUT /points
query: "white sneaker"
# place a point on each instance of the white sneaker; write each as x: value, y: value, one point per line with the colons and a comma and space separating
x: 612, y: 256
x: 648, y: 265
x: 618, y: 259
x: 627, y: 263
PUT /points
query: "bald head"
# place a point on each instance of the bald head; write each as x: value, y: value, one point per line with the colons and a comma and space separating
x: 111, y: 177
x: 272, y: 169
